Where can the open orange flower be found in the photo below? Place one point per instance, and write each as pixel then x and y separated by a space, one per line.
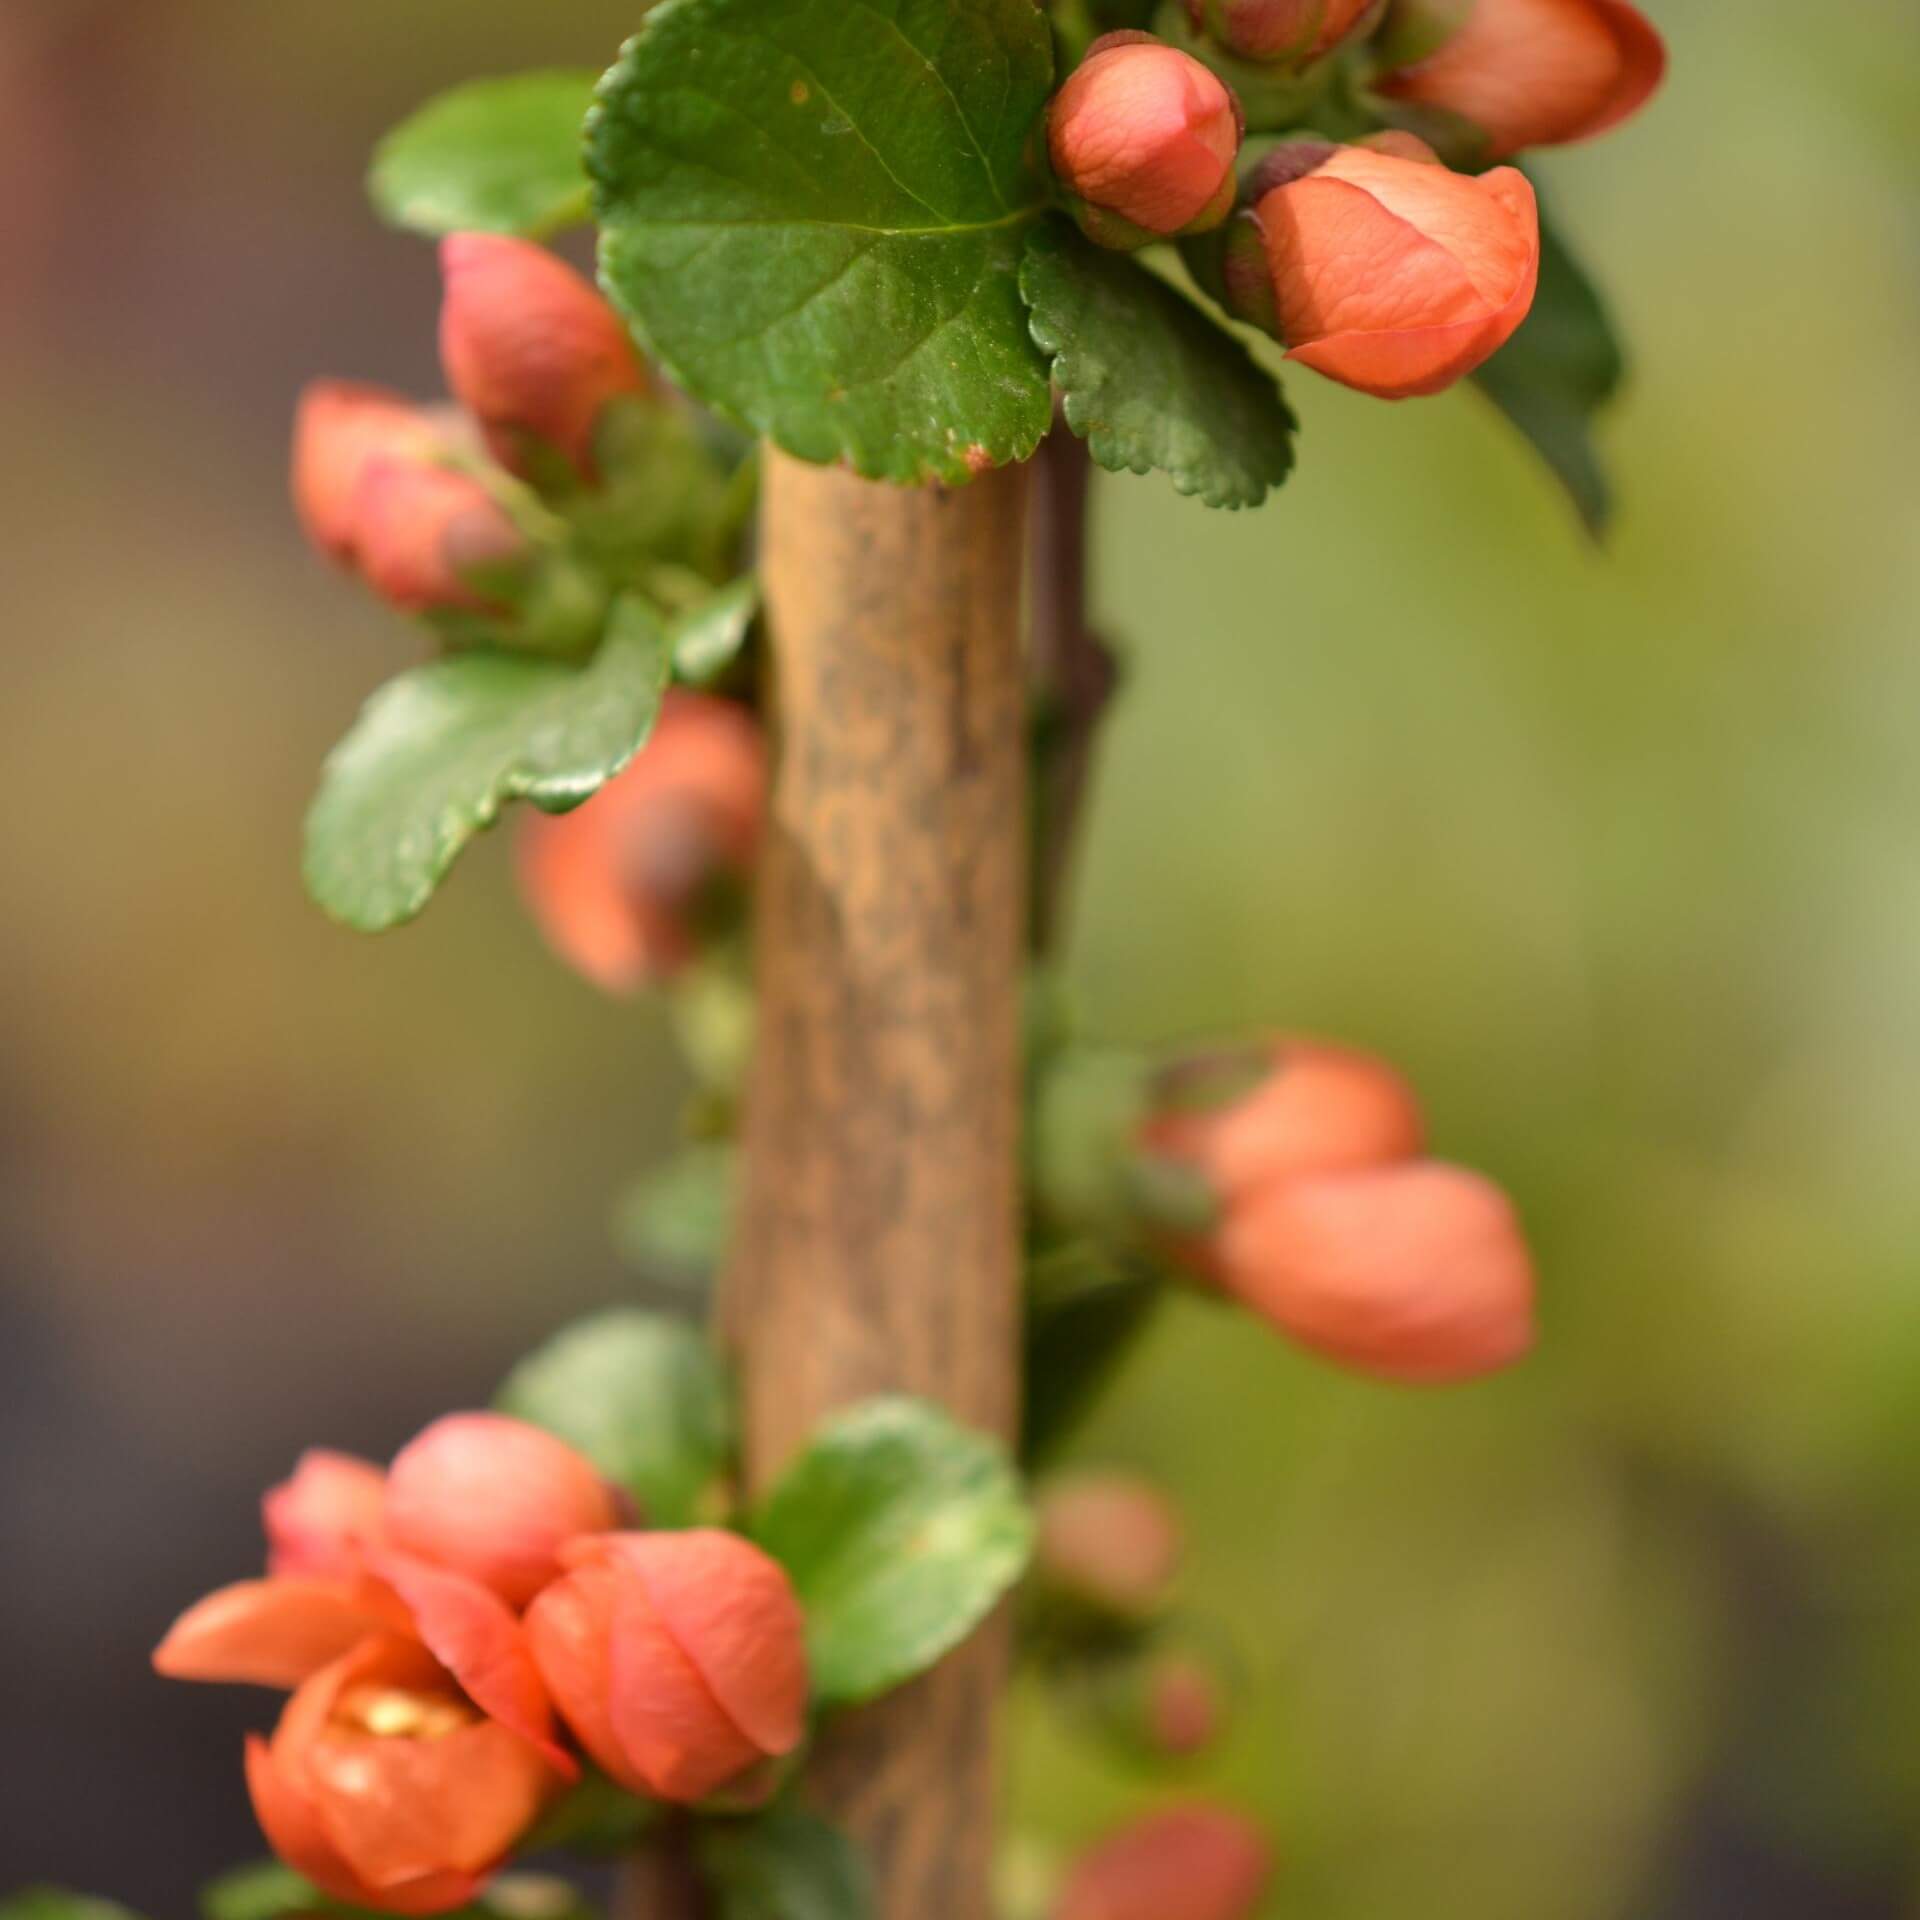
pixel 1537 73
pixel 420 1742
pixel 388 1787
pixel 1379 267
pixel 679 1659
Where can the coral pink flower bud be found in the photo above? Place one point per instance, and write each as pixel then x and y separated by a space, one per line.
pixel 1184 1709
pixel 1111 1541
pixel 1194 1862
pixel 679 1659
pixel 1281 29
pixel 1245 1121
pixel 388 1789
pixel 530 349
pixel 495 1499
pixel 427 537
pixel 1145 138
pixel 1535 73
pixel 1383 271
pixel 1416 1273
pixel 323 1521
pixel 339 430
pixel 617 886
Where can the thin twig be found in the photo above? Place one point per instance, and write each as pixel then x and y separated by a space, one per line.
pixel 1075 674
pixel 661 1881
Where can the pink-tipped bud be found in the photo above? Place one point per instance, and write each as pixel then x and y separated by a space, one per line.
pixel 1194 1862
pixel 530 349
pixel 429 538
pixel 339 430
pixel 495 1499
pixel 1144 138
pixel 1416 1273
pixel 1276 30
pixel 1247 1120
pixel 678 1659
pixel 617 886
pixel 1109 1541
pixel 324 1521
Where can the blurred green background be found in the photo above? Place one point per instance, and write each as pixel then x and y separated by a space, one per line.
pixel 1615 851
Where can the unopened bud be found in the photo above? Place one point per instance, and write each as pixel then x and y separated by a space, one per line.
pixel 1525 73
pixel 1416 1273
pixel 1383 270
pixel 339 430
pixel 1111 1542
pixel 532 351
pixel 1144 138
pixel 1246 1119
pixel 1275 30
pixel 495 1499
pixel 618 886
pixel 429 538
pixel 1196 1862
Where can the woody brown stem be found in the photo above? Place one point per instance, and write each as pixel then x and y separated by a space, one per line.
pixel 1075 674
pixel 878 1247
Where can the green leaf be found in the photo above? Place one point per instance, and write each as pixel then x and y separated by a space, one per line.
pixel 815 210
pixel 1148 381
pixel 269 1891
pixel 645 1398
pixel 783 1865
pixel 1557 373
pixel 901 1530
pixel 55 1903
pixel 673 1222
pixel 707 639
pixel 264 1891
pixel 437 753
pixel 495 156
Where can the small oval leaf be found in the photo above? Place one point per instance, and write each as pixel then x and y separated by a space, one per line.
pixel 495 156
pixel 437 754
pixel 901 1531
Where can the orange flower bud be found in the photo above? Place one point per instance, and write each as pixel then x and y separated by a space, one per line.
pixel 494 1499
pixel 339 430
pixel 1415 1273
pixel 1535 73
pixel 1246 1121
pixel 323 1521
pixel 1281 29
pixel 1381 270
pixel 1197 1862
pixel 679 1659
pixel 1111 1541
pixel 1145 138
pixel 616 885
pixel 424 533
pixel 530 348
pixel 388 1789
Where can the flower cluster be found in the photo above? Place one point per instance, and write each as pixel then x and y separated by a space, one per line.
pixel 1366 255
pixel 1322 1213
pixel 445 1626
pixel 430 505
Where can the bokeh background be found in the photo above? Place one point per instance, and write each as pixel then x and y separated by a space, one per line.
pixel 1615 850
